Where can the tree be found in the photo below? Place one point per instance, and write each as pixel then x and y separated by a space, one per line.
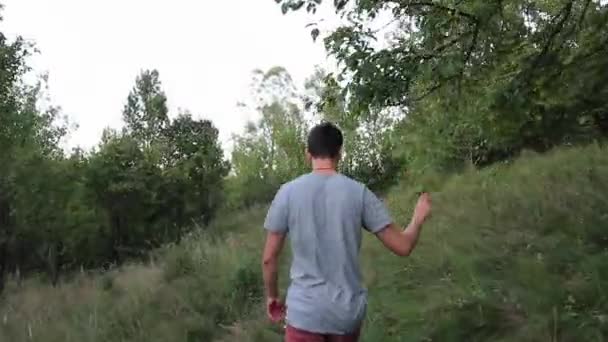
pixel 41 213
pixel 13 132
pixel 193 170
pixel 368 139
pixel 121 179
pixel 29 138
pixel 146 113
pixel 484 79
pixel 140 188
pixel 271 150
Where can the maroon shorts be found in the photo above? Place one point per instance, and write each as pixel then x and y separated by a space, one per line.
pixel 296 335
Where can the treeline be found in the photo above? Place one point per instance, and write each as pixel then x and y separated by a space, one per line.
pixel 141 187
pixel 159 177
pixel 156 179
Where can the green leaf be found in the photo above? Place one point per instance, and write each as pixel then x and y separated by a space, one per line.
pixel 339 4
pixel 297 5
pixel 285 7
pixel 314 33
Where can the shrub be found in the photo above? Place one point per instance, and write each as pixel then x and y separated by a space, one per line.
pixel 178 263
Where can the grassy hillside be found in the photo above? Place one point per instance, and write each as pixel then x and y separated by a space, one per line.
pixel 513 253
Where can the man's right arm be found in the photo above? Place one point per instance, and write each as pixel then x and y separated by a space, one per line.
pixel 403 242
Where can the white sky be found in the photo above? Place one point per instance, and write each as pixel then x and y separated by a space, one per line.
pixel 204 50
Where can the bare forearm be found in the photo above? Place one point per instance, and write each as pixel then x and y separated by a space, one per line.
pixel 270 269
pixel 401 242
pixel 410 235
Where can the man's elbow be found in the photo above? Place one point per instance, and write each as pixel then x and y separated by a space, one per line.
pixel 404 251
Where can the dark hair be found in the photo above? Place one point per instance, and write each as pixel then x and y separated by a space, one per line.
pixel 325 141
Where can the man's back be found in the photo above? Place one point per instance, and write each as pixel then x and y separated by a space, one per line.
pixel 324 214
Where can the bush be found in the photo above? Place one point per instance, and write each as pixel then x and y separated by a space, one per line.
pixel 245 287
pixel 178 263
pixel 106 282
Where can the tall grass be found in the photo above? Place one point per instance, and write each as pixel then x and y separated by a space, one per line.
pixel 513 253
pixel 517 252
pixel 196 292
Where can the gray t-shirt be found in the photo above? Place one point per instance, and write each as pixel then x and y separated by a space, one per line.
pixel 323 215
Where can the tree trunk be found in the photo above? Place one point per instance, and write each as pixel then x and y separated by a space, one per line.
pixel 601 121
pixel 115 238
pixel 4 241
pixel 3 264
pixel 20 261
pixel 52 260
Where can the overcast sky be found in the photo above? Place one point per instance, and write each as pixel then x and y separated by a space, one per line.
pixel 204 50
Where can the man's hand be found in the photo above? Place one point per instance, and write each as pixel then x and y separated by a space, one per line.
pixel 422 210
pixel 275 309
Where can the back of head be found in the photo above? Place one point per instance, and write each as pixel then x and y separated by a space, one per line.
pixel 325 141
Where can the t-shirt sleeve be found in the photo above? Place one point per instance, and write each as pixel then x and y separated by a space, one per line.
pixel 277 216
pixel 375 213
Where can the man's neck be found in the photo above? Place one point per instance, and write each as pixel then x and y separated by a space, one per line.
pixel 324 166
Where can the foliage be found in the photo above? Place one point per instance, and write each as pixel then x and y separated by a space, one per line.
pixel 146 113
pixel 479 80
pixel 486 269
pixel 369 140
pixel 28 141
pixel 119 177
pixel 140 188
pixel 271 151
pixel 193 169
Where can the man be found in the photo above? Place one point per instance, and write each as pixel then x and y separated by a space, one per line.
pixel 323 213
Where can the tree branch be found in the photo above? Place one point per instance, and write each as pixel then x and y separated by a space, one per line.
pixel 583 14
pixel 471 47
pixel 432 89
pixel 578 23
pixel 564 14
pixel 385 25
pixel 443 8
pixel 602 47
pixel 442 47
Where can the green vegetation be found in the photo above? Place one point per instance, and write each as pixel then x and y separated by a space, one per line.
pixel 513 253
pixel 479 80
pixel 499 108
pixel 140 188
pixel 192 293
